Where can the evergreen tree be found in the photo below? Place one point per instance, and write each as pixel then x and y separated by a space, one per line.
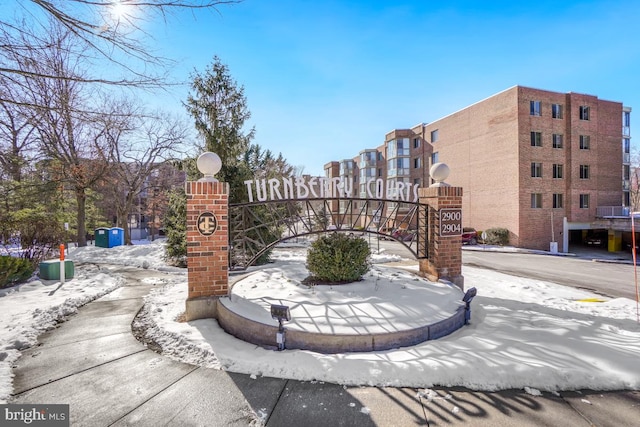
pixel 219 109
pixel 175 223
pixel 32 215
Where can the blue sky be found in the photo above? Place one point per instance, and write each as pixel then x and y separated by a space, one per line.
pixel 326 79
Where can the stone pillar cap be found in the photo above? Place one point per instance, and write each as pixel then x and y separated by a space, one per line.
pixel 209 164
pixel 439 172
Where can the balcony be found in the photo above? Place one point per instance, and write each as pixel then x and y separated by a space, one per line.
pixel 612 212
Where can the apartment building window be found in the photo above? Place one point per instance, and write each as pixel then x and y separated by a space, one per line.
pixel 404 165
pixel 626 145
pixel 584 112
pixel 367 159
pixel 584 201
pixel 557 201
pixel 626 123
pixel 585 142
pixel 379 172
pixel 584 171
pixel 398 147
pixel 535 108
pixel 434 135
pixel 363 191
pixel 536 139
pixel 556 111
pixel 346 167
pixel 536 170
pixel 417 164
pixel 557 171
pixel 398 166
pixel 416 142
pixel 536 200
pixel 626 172
pixel 379 156
pixel 557 140
pixel 434 158
pixel 416 181
pixel 367 173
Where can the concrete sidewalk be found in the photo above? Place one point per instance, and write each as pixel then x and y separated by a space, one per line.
pixel 93 363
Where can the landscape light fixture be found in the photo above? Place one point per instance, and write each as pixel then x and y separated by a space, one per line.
pixel 439 172
pixel 280 313
pixel 468 296
pixel 209 164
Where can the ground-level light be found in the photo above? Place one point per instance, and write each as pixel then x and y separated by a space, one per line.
pixel 280 313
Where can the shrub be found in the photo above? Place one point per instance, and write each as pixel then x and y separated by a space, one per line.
pixel 262 229
pixel 338 258
pixel 14 270
pixel 497 236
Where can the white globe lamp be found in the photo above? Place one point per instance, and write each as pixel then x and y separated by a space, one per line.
pixel 209 164
pixel 439 172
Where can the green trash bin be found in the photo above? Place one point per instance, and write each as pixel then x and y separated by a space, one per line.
pixel 50 270
pixel 102 237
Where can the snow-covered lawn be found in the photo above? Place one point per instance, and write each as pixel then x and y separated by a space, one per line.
pixel 523 334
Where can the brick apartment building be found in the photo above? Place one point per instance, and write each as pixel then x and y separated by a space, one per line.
pixel 547 166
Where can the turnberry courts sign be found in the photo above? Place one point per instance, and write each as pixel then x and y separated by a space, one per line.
pixel 303 187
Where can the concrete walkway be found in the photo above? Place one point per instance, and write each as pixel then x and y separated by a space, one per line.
pixel 93 363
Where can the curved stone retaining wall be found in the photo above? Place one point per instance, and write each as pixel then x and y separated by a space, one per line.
pixel 265 335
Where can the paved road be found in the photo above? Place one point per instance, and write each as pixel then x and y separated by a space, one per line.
pixel 93 363
pixel 606 278
pixel 581 271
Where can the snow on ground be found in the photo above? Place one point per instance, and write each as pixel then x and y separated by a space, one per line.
pixel 524 333
pixel 400 300
pixel 29 309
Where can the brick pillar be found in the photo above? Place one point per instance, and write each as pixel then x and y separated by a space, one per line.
pixel 445 252
pixel 207 247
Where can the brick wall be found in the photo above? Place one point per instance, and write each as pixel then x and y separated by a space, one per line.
pixel 488 148
pixel 479 144
pixel 208 255
pixel 445 252
pixel 604 157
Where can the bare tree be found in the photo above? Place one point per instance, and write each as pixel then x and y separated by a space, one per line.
pixel 137 157
pixel 70 137
pixel 109 30
pixel 158 189
pixel 16 135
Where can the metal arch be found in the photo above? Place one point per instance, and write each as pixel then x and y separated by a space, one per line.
pixel 256 227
